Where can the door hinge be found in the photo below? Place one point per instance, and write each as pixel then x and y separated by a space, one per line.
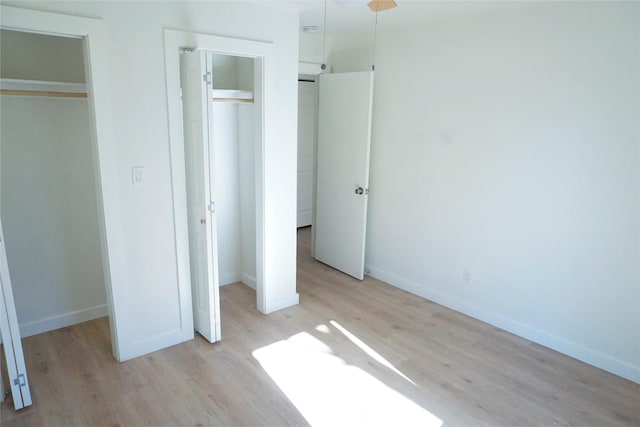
pixel 21 381
pixel 207 78
pixel 212 207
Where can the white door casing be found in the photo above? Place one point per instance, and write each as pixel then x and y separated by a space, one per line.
pixel 344 139
pixel 197 98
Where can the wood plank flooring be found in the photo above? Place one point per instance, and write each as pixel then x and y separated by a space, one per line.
pixel 352 353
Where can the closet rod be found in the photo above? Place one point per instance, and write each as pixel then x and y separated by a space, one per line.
pixel 43 93
pixel 237 100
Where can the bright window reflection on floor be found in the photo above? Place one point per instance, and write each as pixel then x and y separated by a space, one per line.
pixel 328 391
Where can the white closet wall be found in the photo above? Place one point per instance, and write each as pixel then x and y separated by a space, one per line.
pixel 247 181
pixel 48 206
pixel 234 173
pixel 226 183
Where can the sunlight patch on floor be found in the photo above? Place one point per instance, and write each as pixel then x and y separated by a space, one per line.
pixel 328 391
pixel 369 351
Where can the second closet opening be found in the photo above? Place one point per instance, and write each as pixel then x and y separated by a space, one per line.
pixel 234 179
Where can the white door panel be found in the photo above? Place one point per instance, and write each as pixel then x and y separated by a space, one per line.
pixel 197 105
pixel 11 341
pixel 344 139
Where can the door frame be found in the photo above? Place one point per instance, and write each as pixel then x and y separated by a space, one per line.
pixel 263 55
pixel 93 33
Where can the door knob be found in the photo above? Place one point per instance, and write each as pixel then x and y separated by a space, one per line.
pixel 359 190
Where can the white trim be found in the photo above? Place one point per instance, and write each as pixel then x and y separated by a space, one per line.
pixel 62 320
pixel 231 278
pixel 41 85
pixel 283 302
pixel 248 280
pixel 562 345
pixel 96 48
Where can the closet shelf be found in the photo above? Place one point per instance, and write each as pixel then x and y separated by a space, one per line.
pixel 233 95
pixel 42 88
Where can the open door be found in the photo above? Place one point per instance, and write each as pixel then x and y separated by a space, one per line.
pixel 197 96
pixel 344 140
pixel 11 336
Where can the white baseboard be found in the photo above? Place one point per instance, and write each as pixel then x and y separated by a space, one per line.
pixel 562 345
pixel 250 281
pixel 281 303
pixel 229 278
pixel 62 320
pixel 155 343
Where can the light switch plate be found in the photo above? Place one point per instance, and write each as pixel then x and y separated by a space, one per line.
pixel 137 175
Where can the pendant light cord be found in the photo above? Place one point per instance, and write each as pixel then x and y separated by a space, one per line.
pixel 324 37
pixel 375 39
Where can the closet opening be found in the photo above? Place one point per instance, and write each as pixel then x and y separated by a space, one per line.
pixel 221 119
pixel 50 196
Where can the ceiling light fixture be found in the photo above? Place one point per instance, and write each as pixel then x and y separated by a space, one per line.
pixel 380 5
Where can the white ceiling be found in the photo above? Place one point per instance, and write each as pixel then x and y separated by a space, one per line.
pixel 354 15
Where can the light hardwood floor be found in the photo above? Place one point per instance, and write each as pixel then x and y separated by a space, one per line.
pixel 352 353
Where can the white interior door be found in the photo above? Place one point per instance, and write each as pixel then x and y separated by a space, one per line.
pixel 12 343
pixel 197 107
pixel 344 139
pixel 307 115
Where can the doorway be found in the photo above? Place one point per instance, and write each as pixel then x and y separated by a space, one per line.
pixel 220 142
pixel 274 168
pixel 92 36
pixel 46 152
pixel 307 131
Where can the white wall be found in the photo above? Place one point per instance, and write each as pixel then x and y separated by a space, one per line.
pixel 247 191
pixel 508 146
pixel 226 186
pixel 49 212
pixel 312 47
pixel 140 130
